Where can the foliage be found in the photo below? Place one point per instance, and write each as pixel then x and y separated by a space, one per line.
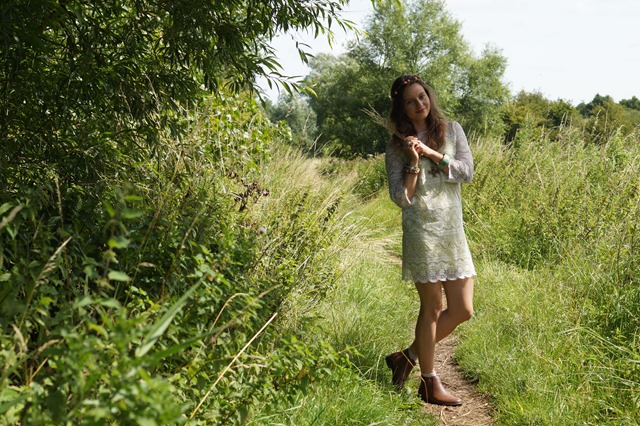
pixel 633 103
pixel 343 90
pixel 136 285
pixel 404 37
pixel 372 177
pixel 604 118
pixel 89 87
pixel 554 225
pixel 599 120
pixel 533 109
pixel 165 299
pixel 482 93
pixel 294 109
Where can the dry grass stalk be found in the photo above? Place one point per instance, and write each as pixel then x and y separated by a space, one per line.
pixel 383 121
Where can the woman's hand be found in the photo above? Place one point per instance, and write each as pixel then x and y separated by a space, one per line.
pixel 412 148
pixel 424 151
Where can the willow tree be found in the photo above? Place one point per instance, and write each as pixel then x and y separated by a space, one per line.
pixel 87 85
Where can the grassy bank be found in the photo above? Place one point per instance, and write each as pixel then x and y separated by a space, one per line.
pixel 180 290
pixel 367 315
pixel 355 315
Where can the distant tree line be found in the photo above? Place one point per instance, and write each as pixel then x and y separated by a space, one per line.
pixel 421 37
pixel 598 119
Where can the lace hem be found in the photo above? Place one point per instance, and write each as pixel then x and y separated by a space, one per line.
pixel 441 275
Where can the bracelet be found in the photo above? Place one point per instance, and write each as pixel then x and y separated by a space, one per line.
pixel 411 169
pixel 444 162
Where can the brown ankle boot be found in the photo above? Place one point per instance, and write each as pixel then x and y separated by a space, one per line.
pixel 431 391
pixel 400 365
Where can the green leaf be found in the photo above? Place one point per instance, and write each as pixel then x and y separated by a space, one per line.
pixel 110 303
pixel 119 242
pixel 160 326
pixel 5 277
pixel 118 276
pixel 156 357
pixel 97 328
pixel 86 300
pixel 7 405
pixel 5 207
pixel 128 213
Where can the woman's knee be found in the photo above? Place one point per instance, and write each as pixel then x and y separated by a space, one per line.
pixel 464 313
pixel 431 309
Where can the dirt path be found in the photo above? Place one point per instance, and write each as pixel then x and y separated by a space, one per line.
pixel 476 410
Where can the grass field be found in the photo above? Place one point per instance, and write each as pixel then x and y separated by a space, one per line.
pixel 553 227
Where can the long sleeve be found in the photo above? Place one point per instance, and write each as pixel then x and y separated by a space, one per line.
pixel 394 164
pixel 460 167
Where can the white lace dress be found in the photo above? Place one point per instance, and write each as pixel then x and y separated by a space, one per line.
pixel 434 246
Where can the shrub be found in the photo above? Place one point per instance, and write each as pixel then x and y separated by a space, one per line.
pixel 157 295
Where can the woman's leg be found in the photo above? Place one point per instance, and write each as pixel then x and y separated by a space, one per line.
pixel 424 344
pixel 434 324
pixel 459 295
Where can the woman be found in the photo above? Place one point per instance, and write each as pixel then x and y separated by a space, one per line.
pixel 426 160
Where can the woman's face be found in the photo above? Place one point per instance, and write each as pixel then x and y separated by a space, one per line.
pixel 416 103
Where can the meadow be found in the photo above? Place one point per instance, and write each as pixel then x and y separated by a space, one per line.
pixel 553 225
pixel 226 278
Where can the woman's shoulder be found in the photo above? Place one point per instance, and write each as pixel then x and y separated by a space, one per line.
pixel 454 129
pixel 453 126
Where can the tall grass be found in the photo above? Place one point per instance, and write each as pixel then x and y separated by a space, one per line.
pixel 554 228
pixel 367 314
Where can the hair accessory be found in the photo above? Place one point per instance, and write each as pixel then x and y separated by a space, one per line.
pixel 405 81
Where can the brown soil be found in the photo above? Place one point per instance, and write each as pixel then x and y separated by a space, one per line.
pixel 476 408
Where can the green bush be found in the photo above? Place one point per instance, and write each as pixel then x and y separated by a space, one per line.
pixel 372 177
pixel 161 294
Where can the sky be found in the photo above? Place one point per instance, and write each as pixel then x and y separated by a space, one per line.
pixel 565 49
